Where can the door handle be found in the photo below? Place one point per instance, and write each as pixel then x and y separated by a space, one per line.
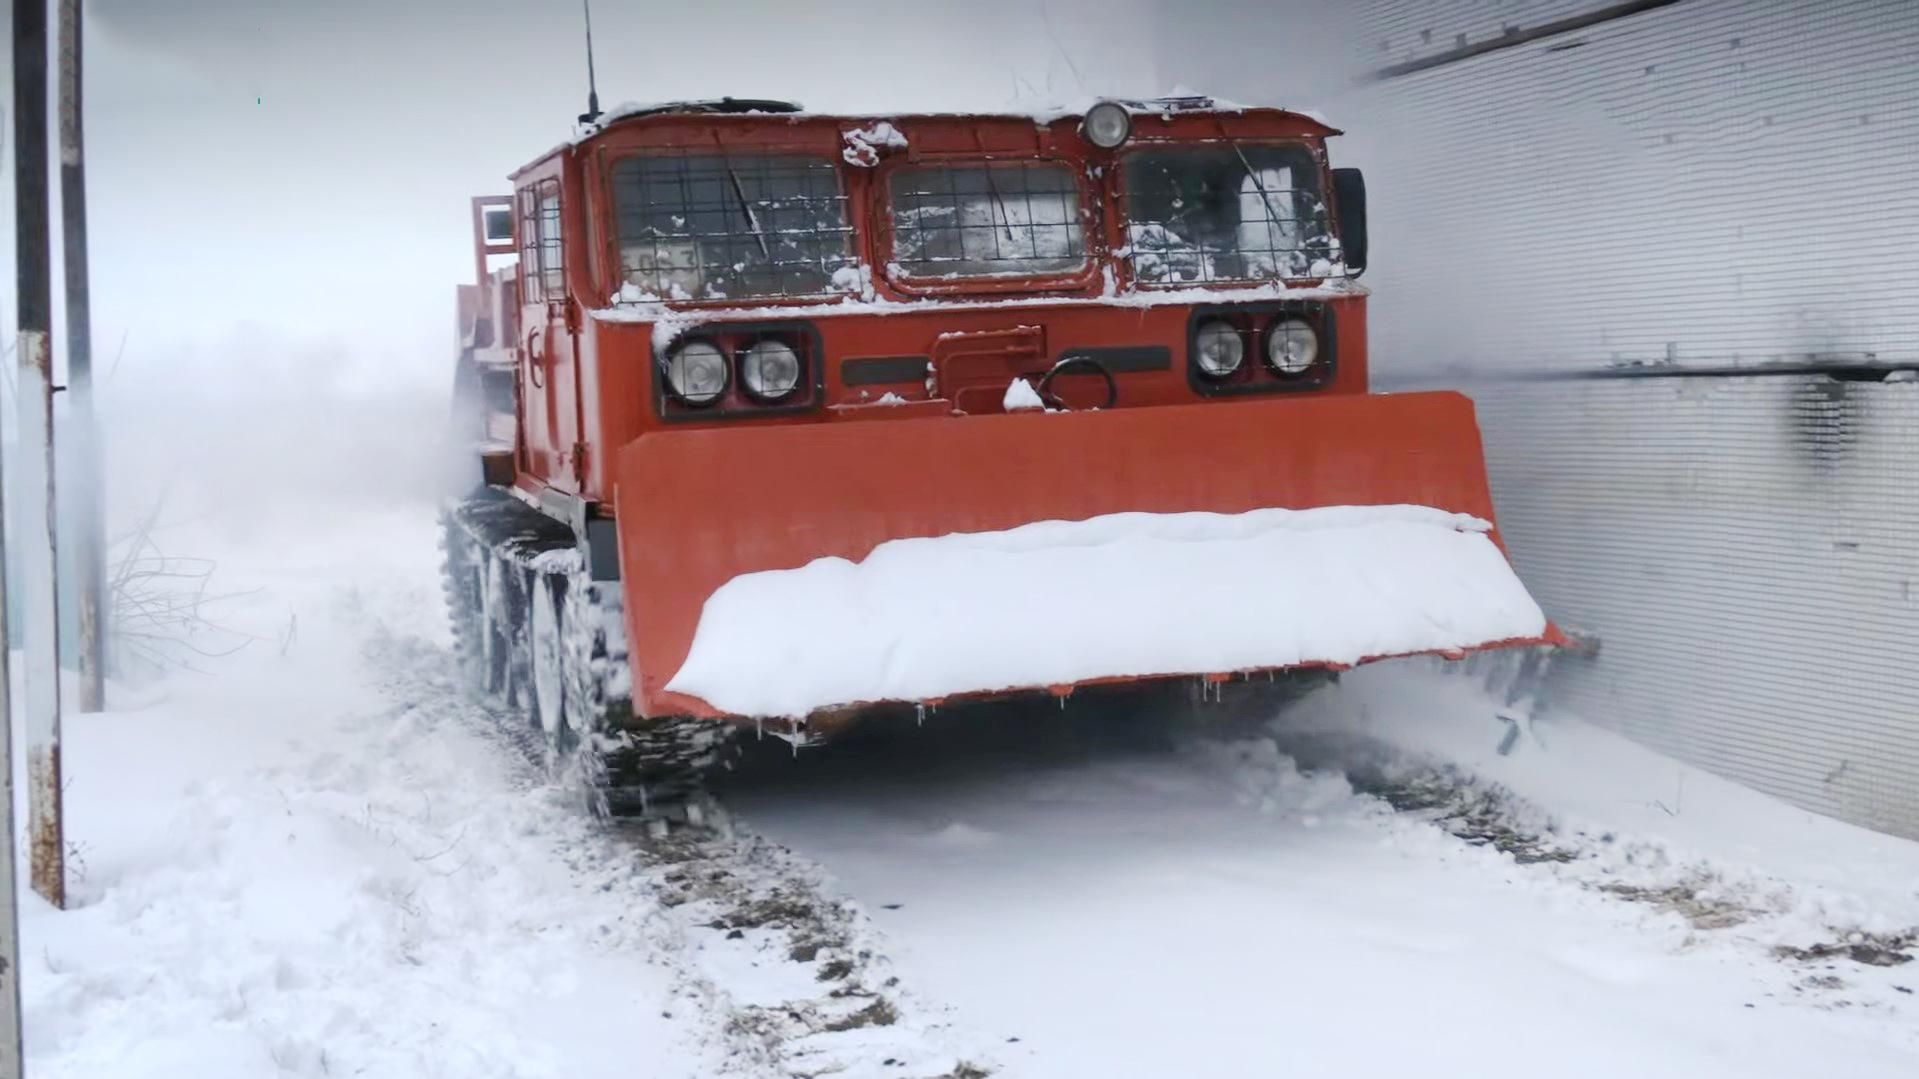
pixel 534 363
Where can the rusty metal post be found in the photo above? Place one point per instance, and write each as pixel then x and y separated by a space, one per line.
pixel 89 547
pixel 11 1065
pixel 39 609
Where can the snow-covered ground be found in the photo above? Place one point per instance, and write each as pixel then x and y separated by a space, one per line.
pixel 1204 907
pixel 310 861
pixel 313 858
pixel 310 856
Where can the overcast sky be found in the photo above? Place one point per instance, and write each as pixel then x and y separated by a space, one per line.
pixel 283 181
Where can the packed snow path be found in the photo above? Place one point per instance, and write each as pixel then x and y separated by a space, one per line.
pixel 307 860
pixel 1111 903
pixel 312 859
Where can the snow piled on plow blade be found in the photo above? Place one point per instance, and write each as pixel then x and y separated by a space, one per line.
pixel 1115 596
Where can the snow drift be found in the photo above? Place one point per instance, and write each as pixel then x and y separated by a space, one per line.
pixel 1121 595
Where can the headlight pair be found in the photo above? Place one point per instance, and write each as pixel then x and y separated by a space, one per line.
pixel 1292 347
pixel 698 372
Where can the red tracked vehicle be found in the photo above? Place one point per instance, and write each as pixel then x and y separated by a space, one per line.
pixel 733 337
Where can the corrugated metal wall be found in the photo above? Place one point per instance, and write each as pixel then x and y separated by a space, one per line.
pixel 1710 183
pixel 1747 549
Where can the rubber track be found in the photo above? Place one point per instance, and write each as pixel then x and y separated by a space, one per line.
pixel 626 766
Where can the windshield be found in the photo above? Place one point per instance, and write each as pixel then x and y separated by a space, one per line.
pixel 698 227
pixel 1226 213
pixel 1013 219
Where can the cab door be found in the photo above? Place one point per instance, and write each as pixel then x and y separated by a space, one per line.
pixel 548 378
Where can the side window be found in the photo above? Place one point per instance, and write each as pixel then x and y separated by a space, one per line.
pixel 532 281
pixel 542 266
pixel 551 254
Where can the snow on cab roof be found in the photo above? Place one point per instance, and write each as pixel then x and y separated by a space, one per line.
pixel 1181 101
pixel 1044 114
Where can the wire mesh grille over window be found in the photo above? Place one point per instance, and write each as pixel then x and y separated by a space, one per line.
pixel 1227 214
pixel 529 275
pixel 552 264
pixel 1011 219
pixel 697 227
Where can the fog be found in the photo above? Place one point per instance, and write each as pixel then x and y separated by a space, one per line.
pixel 278 191
pixel 279 176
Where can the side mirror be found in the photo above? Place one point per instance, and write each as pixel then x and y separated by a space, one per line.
pixel 492 231
pixel 1349 205
pixel 498 227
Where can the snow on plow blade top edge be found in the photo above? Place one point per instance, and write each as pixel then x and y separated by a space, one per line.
pixel 1123 596
pixel 917 568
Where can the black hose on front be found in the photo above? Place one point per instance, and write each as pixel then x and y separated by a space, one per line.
pixel 1052 400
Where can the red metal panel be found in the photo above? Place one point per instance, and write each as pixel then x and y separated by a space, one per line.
pixel 697 507
pixel 622 376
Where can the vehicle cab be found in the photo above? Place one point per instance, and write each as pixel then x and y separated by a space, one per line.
pixel 718 263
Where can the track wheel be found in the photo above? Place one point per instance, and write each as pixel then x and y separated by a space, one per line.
pixel 548 657
pixel 496 628
pixel 510 609
pixel 464 586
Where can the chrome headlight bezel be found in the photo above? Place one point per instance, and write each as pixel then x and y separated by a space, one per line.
pixel 1230 341
pixel 675 369
pixel 753 360
pixel 1292 346
pixel 1107 125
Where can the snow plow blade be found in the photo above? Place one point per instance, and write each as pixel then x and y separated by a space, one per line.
pixel 1190 540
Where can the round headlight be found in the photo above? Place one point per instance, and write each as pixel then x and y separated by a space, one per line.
pixel 1219 349
pixel 696 372
pixel 770 369
pixel 1292 346
pixel 1107 124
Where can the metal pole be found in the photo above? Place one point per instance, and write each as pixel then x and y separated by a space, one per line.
pixel 89 545
pixel 39 610
pixel 11 1066
pixel 33 295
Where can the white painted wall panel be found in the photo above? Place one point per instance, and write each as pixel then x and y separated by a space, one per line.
pixel 1716 182
pixel 1748 551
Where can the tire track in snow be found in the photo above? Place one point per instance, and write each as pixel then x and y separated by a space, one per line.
pixel 305 865
pixel 1752 913
pixel 787 979
pixel 1032 868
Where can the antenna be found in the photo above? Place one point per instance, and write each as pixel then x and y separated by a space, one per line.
pixel 592 112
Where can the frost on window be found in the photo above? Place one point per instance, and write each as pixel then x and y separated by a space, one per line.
pixel 974 220
pixel 1227 214
pixel 708 227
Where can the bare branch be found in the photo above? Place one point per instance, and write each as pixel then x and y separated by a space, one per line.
pixel 161 605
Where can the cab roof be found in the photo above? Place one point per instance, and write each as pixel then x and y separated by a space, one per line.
pixel 621 116
pixel 733 106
